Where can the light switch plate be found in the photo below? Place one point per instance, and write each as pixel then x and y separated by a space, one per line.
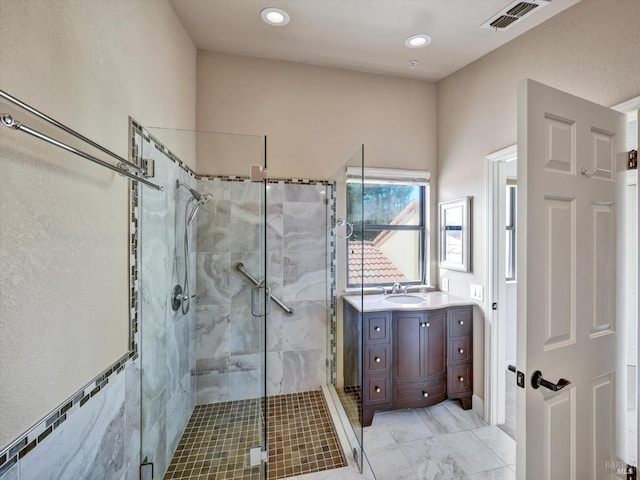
pixel 445 285
pixel 476 292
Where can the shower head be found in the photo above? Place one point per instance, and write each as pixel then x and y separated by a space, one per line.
pixel 201 201
pixel 204 198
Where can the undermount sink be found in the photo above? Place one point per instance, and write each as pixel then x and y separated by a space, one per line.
pixel 405 299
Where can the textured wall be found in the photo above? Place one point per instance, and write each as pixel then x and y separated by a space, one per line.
pixel 228 336
pixel 63 221
pixel 315 118
pixel 589 50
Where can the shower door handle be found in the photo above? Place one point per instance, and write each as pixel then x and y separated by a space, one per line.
pixel 260 296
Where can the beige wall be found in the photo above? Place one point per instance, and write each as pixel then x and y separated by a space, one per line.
pixel 316 117
pixel 590 50
pixel 63 221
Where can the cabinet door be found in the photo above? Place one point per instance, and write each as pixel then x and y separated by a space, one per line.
pixel 409 346
pixel 460 321
pixel 376 327
pixel 436 334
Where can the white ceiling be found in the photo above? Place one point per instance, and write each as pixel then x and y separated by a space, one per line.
pixel 364 35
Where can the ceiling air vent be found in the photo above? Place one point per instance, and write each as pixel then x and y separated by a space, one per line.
pixel 513 13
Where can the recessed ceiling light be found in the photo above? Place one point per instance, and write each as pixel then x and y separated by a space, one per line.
pixel 275 16
pixel 418 41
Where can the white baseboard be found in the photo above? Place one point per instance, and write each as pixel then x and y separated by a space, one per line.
pixel 477 405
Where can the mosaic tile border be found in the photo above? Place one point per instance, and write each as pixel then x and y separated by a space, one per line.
pixel 333 307
pixel 242 178
pixel 43 428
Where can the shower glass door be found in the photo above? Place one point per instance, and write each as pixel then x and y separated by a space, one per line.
pixel 203 364
pixel 346 264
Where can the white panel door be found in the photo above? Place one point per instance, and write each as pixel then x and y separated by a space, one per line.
pixel 569 153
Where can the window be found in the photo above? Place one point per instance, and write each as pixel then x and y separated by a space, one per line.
pixel 388 241
pixel 511 233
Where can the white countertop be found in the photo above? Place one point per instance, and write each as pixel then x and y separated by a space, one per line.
pixel 381 303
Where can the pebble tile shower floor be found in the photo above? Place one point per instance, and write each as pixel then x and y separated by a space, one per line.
pixel 217 439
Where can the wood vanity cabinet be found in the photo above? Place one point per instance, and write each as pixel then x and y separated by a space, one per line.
pixel 414 359
pixel 419 358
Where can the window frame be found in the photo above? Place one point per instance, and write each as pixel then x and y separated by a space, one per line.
pixel 397 177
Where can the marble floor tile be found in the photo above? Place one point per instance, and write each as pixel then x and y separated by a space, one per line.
pixel 431 460
pixel 390 463
pixel 403 425
pixel 469 452
pixel 499 442
pixel 449 417
pixel 504 473
pixel 377 436
pixel 467 419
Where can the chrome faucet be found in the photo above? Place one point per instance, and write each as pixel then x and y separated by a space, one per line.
pixel 398 288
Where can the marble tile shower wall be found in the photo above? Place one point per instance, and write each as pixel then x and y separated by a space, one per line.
pixel 100 440
pixel 227 335
pixel 167 343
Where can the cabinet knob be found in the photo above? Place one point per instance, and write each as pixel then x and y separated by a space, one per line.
pixel 425 394
pixel 378 360
pixel 461 350
pixel 377 389
pixel 461 322
pixel 377 329
pixel 425 324
pixel 461 379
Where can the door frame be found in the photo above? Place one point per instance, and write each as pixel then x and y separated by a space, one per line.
pixel 495 320
pixel 494 406
pixel 631 108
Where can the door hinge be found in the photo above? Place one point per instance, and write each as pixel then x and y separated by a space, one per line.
pixel 258 173
pixel 257 456
pixel 633 160
pixel 494 306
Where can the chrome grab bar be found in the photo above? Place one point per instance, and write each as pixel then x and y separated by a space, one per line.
pixel 257 283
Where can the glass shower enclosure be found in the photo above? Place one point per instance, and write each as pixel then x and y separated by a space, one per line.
pixel 345 338
pixel 204 303
pixel 219 345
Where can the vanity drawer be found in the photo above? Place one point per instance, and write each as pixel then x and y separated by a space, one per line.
pixel 377 327
pixel 460 379
pixel 417 395
pixel 376 390
pixel 377 358
pixel 460 321
pixel 460 350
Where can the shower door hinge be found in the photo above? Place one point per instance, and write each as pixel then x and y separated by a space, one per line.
pixel 258 173
pixel 146 470
pixel 257 456
pixel 148 169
